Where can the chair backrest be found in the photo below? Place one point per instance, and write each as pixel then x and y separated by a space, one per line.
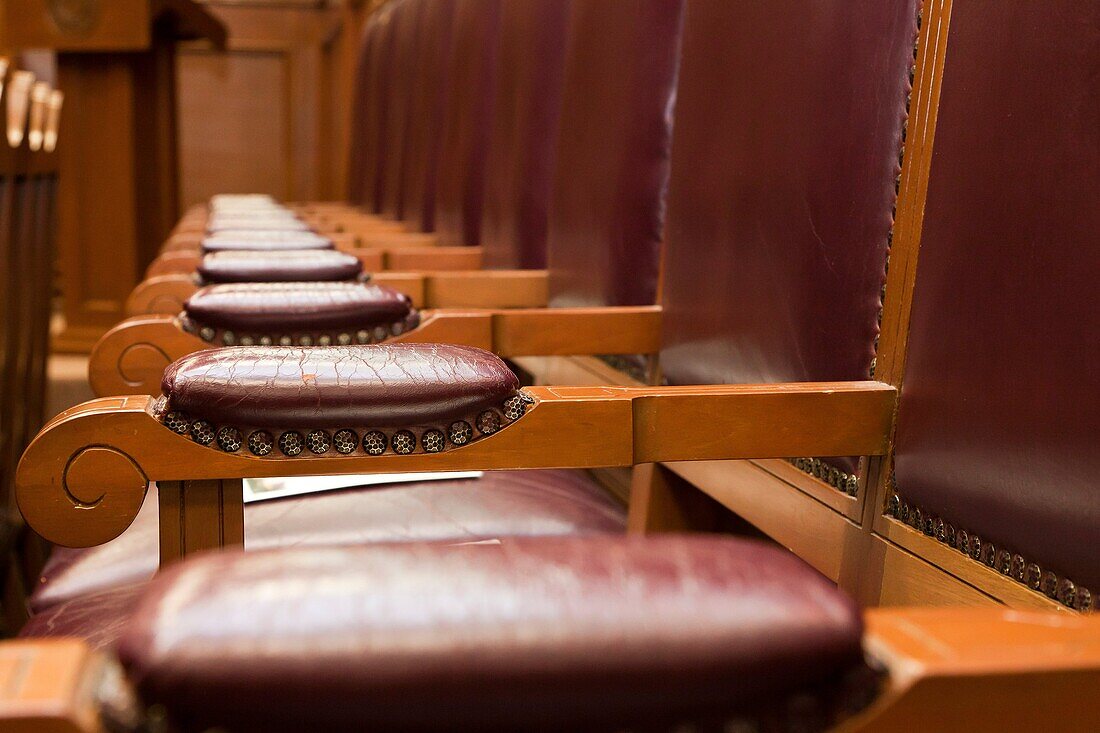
pixel 519 164
pixel 788 130
pixel 366 97
pixel 1000 404
pixel 431 84
pixel 472 68
pixel 611 171
pixel 400 68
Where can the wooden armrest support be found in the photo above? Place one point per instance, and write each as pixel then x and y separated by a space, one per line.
pixel 161 295
pixel 61 686
pixel 981 669
pixel 84 477
pixel 132 356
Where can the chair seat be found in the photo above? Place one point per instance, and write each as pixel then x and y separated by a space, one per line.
pixel 398 385
pixel 532 633
pixel 275 310
pixel 499 504
pixel 265 240
pixel 236 223
pixel 296 265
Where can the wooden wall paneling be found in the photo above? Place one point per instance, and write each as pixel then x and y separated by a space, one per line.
pixel 274 103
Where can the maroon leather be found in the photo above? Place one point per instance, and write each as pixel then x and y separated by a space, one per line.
pixel 431 86
pixel 607 211
pixel 1000 407
pixel 370 138
pixel 519 165
pixel 381 385
pixel 237 223
pixel 499 504
pixel 265 240
pixel 97 617
pixel 788 129
pixel 548 633
pixel 403 49
pixel 294 307
pixel 257 266
pixel 471 81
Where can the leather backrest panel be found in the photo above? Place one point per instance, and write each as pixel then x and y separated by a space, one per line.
pixel 788 130
pixel 402 50
pixel 607 209
pixel 431 84
pixel 472 71
pixel 520 161
pixel 1000 412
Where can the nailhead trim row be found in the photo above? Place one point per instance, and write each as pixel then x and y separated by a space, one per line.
pixel 262 442
pixel 371 335
pixel 839 480
pixel 1004 561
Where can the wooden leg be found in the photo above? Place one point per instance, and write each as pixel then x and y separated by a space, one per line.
pixel 200 515
pixel 662 502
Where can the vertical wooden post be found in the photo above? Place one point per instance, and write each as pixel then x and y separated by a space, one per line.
pixel 200 515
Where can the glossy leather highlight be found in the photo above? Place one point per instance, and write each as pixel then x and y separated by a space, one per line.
pixel 337 386
pixel 1000 407
pixel 261 240
pixel 547 633
pixel 251 266
pixel 498 504
pixel 260 307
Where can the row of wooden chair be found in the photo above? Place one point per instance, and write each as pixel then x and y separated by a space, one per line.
pixel 28 185
pixel 763 186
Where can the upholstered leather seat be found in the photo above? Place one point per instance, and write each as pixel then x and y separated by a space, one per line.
pixel 547 633
pixel 265 240
pixel 260 266
pixel 338 387
pixel 297 313
pixel 255 223
pixel 499 504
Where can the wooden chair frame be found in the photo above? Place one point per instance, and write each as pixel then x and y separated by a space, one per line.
pixel 84 477
pixel 130 358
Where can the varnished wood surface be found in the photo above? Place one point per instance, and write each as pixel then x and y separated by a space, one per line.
pixel 51 686
pixel 82 480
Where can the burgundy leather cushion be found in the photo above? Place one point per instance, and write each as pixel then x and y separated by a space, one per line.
pixel 265 240
pixel 234 223
pixel 293 307
pixel 607 215
pixel 369 131
pixel 787 134
pixel 398 384
pixel 543 633
pixel 251 266
pixel 97 617
pixel 471 82
pixel 499 504
pixel 527 103
pixel 431 86
pixel 1000 408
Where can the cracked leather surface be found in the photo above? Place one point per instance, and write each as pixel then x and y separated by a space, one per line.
pixel 545 632
pixel 252 266
pixel 498 504
pixel 274 307
pixel 337 386
pixel 264 240
pixel 97 617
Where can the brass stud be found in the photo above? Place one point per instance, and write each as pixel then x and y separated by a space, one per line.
pixel 261 443
pixel 324 340
pixel 916 518
pixel 949 534
pixel 488 422
pixel 432 440
pixel 851 485
pixel 397 328
pixel 206 333
pixel 318 442
pixel 988 555
pixel 229 338
pixel 202 432
pixel 247 341
pixel 1004 562
pixel 285 341
pixel 1067 593
pixel 1034 576
pixel 1084 600
pixel 343 339
pixel 362 337
pixel 514 407
pixel 291 443
pixel 374 443
pixel 460 432
pixel 1049 584
pixel 1019 568
pixel 962 541
pixel 229 439
pixel 893 505
pixel 380 333
pixel 403 442
pixel 939 529
pixel 975 547
pixel 265 341
pixel 305 341
pixel 177 422
pixel 345 441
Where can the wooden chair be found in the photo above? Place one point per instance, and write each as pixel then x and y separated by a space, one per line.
pixel 597 210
